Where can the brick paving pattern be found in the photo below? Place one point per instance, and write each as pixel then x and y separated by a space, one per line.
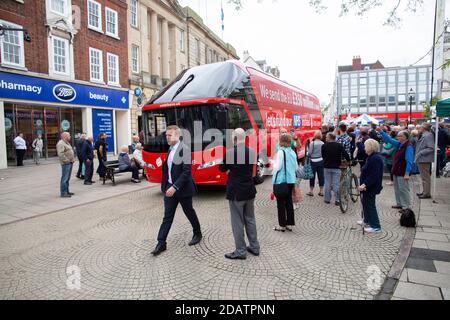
pixel 325 257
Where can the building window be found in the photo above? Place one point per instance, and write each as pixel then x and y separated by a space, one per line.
pixel 182 40
pixel 94 15
pixel 158 31
pixel 392 101
pixel 135 58
pixel 111 23
pixel 60 55
pixel 58 6
pixel 134 12
pixel 12 46
pixel 113 69
pixel 382 101
pixel 96 65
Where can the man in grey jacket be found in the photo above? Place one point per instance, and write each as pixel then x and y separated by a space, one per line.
pixel 424 157
pixel 66 158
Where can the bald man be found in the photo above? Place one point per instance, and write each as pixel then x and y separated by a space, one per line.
pixel 240 163
pixel 66 158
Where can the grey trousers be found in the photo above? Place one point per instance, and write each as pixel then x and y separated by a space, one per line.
pixel 424 169
pixel 243 216
pixel 402 193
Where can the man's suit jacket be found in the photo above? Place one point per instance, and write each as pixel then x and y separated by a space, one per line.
pixel 240 186
pixel 181 173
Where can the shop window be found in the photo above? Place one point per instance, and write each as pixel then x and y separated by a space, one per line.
pixel 12 48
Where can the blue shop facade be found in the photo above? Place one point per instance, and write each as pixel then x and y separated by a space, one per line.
pixel 42 106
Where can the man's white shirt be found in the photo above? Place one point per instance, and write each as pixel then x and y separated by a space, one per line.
pixel 170 160
pixel 20 143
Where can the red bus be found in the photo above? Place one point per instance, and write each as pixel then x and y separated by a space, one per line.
pixel 222 96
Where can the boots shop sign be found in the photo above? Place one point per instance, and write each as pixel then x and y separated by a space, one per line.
pixel 20 87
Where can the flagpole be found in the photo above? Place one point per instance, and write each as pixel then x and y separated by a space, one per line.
pixel 222 16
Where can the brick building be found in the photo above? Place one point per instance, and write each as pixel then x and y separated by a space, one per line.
pixel 72 75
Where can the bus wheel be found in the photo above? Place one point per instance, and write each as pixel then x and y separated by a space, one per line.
pixel 260 167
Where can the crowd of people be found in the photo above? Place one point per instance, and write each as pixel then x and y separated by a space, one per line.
pixel 85 150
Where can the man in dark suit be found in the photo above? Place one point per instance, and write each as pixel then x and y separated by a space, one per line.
pixel 178 187
pixel 240 162
pixel 87 156
pixel 78 147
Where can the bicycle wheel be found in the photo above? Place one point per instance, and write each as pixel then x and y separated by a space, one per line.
pixel 354 184
pixel 343 196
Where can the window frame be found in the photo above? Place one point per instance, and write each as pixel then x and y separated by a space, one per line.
pixel 101 80
pixel 67 56
pixel 137 59
pixel 117 73
pixel 21 63
pixel 116 34
pixel 135 13
pixel 100 21
pixel 182 40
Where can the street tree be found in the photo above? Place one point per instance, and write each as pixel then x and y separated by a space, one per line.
pixel 361 7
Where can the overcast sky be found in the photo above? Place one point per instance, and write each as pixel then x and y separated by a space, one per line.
pixel 306 46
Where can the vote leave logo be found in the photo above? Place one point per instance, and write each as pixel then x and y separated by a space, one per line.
pixel 64 92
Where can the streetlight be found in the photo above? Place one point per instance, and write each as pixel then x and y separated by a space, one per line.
pixel 26 35
pixel 411 98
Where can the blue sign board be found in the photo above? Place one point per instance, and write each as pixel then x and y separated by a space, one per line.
pixel 102 121
pixel 20 87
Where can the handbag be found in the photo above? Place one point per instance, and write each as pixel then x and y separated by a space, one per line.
pixel 307 169
pixel 281 190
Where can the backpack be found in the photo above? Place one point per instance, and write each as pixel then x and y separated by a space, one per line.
pixel 408 218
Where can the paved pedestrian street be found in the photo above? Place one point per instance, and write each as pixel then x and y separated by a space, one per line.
pixel 107 244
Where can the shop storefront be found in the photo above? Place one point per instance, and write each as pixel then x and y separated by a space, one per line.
pixel 40 106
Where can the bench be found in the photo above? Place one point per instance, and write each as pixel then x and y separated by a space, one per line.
pixel 112 170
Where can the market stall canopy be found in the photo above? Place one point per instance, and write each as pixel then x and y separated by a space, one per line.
pixel 365 119
pixel 443 108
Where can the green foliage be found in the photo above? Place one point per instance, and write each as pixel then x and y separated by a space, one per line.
pixel 427 107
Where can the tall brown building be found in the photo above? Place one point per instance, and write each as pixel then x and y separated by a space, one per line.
pixel 72 75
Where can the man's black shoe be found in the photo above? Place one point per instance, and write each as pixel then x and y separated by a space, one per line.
pixel 195 239
pixel 337 203
pixel 87 183
pixel 253 252
pixel 66 195
pixel 159 248
pixel 80 177
pixel 397 207
pixel 71 193
pixel 234 256
pixel 424 197
pixel 419 194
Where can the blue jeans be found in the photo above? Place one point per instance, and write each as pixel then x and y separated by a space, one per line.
pixel 370 210
pixel 65 177
pixel 317 167
pixel 332 178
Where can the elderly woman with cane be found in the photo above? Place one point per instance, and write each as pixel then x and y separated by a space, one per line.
pixel 371 185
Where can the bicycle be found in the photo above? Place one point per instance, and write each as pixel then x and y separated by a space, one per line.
pixel 348 187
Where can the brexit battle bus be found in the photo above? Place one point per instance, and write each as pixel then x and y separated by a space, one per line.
pixel 222 96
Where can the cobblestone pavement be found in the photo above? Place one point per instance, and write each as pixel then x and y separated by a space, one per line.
pixel 325 257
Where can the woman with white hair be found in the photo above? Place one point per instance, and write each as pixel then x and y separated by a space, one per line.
pixel 126 166
pixel 371 185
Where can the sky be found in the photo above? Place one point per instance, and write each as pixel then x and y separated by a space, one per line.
pixel 306 46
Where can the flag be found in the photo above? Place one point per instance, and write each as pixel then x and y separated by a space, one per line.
pixel 222 15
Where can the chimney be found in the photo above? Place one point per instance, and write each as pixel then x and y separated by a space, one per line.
pixel 356 63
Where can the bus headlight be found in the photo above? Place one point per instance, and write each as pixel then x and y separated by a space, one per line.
pixel 207 165
pixel 150 166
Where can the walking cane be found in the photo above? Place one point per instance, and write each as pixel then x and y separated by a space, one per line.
pixel 362 212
